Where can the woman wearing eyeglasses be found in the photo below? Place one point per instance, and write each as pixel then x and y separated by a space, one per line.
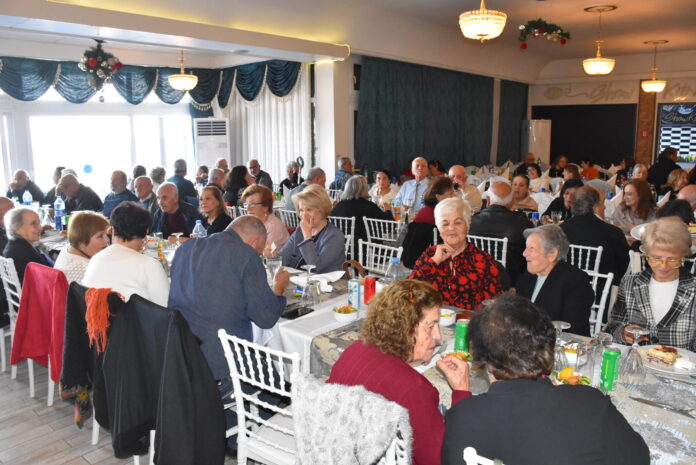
pixel 660 298
pixel 212 207
pixel 258 201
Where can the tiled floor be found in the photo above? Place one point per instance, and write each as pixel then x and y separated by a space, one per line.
pixel 31 433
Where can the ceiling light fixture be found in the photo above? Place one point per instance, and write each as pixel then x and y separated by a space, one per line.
pixel 599 65
pixel 482 24
pixel 654 84
pixel 183 81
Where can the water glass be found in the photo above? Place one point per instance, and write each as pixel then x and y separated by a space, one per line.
pixel 560 361
pixel 632 371
pixel 273 264
pixel 310 294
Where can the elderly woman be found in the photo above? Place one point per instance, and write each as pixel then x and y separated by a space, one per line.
pixel 87 235
pixel 636 207
pixel 121 266
pixel 560 289
pixel 402 328
pixel 514 340
pixel 521 200
pixel 661 298
pixel 237 180
pixel 355 203
pixel 258 200
pixel 536 182
pixel 557 167
pixel 562 203
pixel 293 178
pixel 213 209
pixel 316 241
pixel 440 188
pixel 23 231
pixel 382 193
pixel 464 275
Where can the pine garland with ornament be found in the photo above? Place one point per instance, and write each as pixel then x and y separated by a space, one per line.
pixel 100 64
pixel 540 28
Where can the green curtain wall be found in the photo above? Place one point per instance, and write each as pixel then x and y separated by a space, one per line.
pixel 407 110
pixel 513 110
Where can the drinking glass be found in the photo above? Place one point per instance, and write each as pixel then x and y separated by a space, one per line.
pixel 308 269
pixel 583 357
pixel 272 266
pixel 178 238
pixel 632 370
pixel 556 217
pixel 560 361
pixel 310 294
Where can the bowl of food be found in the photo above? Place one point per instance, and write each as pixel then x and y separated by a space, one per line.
pixel 570 377
pixel 447 317
pixel 151 242
pixel 345 314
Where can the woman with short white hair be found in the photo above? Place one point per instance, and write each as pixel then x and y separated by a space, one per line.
pixel 23 231
pixel 661 298
pixel 462 273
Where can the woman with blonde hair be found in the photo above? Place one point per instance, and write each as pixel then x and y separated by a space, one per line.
pixel 315 241
pixel 675 181
pixel 87 235
pixel 401 329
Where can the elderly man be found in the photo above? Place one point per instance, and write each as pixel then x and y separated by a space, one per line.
pixel 119 192
pixel 587 227
pixel 22 183
pixel 315 176
pixel 23 230
pixel 173 215
pixel 220 282
pixel 463 190
pixel 144 190
pixel 688 193
pixel 216 178
pixel 260 177
pixel 529 159
pixel 183 185
pixel 521 200
pixel 221 163
pixel 559 288
pixel 78 196
pixel 410 196
pixel 497 220
pixel 344 173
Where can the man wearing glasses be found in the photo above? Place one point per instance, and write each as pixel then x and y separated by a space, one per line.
pixel 259 175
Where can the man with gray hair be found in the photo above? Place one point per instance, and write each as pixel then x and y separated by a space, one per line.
pixel 559 288
pixel 23 183
pixel 220 282
pixel 465 191
pixel 173 214
pixel 119 192
pixel 497 220
pixel 144 190
pixel 216 178
pixel 260 176
pixel 316 175
pixel 587 227
pixel 78 196
pixel 344 173
pixel 183 185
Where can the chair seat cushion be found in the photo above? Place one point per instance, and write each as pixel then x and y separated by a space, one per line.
pixel 260 451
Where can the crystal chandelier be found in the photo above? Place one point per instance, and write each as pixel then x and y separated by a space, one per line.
pixel 482 24
pixel 599 65
pixel 654 85
pixel 183 81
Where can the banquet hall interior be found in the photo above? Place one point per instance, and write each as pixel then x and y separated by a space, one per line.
pixel 377 81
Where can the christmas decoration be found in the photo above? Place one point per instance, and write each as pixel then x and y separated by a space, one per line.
pixel 100 64
pixel 540 28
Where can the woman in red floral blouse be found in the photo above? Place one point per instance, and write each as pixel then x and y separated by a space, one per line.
pixel 463 274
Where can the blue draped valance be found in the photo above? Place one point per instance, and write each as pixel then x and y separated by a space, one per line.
pixel 28 79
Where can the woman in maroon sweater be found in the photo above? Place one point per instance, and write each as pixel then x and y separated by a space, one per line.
pixel 402 328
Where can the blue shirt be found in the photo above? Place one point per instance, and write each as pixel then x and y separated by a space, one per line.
pixel 220 282
pixel 112 200
pixel 411 195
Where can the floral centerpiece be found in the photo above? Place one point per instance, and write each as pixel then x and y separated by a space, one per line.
pixel 100 64
pixel 540 28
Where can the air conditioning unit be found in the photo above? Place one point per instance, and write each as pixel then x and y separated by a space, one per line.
pixel 212 140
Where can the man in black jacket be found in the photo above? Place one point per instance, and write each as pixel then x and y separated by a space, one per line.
pixel 587 227
pixel 79 196
pixel 22 183
pixel 498 221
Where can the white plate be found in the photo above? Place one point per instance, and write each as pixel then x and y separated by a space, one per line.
pixel 637 232
pixel 663 367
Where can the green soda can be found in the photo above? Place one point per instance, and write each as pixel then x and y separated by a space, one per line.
pixel 461 336
pixel 610 369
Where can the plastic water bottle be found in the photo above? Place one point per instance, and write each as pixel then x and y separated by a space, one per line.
pixel 59 213
pixel 393 272
pixel 27 198
pixel 199 230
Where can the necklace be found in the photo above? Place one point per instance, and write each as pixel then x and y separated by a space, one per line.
pixel 84 254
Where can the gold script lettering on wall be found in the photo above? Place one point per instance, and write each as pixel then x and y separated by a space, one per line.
pixel 601 93
pixel 679 92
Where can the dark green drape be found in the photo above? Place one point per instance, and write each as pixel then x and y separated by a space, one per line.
pixel 225 87
pixel 406 110
pixel 281 76
pixel 513 110
pixel 26 80
pixel 73 83
pixel 134 83
pixel 164 91
pixel 250 79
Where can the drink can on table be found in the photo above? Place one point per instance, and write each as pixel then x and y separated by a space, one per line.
pixel 461 336
pixel 370 286
pixel 354 293
pixel 397 211
pixel 610 369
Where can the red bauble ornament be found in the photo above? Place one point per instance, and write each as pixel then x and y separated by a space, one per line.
pixel 562 41
pixel 542 30
pixel 92 62
pixel 523 45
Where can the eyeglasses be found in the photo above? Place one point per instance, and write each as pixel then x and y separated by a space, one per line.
pixel 252 204
pixel 671 262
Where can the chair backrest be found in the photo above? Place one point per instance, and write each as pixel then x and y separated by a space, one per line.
pixel 381 231
pixel 334 194
pixel 495 246
pixel 349 244
pixel 241 211
pixel 602 283
pixel 254 365
pixel 289 218
pixel 12 287
pixel 347 227
pixel 472 458
pixel 232 212
pixel 585 257
pixel 375 258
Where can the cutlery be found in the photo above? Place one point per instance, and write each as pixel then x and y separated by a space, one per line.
pixel 669 380
pixel 685 412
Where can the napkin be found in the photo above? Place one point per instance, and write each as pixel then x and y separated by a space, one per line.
pixel 324 280
pixel 612 182
pixel 663 200
pixel 506 173
pixel 482 187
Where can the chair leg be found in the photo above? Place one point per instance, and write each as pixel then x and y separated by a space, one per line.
pixel 30 368
pixel 51 390
pixel 13 371
pixel 136 460
pixel 151 451
pixel 95 429
pixel 3 360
